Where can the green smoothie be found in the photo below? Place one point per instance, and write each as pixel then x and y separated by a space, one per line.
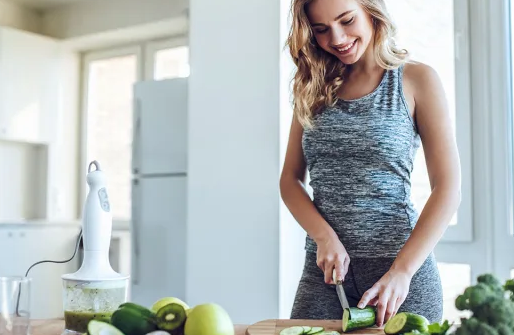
pixel 78 320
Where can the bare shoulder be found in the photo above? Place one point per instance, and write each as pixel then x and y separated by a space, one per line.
pixel 422 80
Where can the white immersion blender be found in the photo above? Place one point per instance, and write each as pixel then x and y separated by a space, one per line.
pixel 95 291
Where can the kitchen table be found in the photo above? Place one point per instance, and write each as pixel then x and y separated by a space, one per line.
pixel 56 326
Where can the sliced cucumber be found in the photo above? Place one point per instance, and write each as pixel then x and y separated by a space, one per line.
pixel 406 322
pixel 295 330
pixel 358 318
pixel 306 329
pixel 315 330
pixel 95 327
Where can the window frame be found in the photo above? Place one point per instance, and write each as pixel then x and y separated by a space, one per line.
pixel 145 64
pixel 86 60
pixel 492 147
pixel 500 114
pixel 463 230
pixel 153 47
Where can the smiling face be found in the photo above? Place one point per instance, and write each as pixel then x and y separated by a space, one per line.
pixel 341 27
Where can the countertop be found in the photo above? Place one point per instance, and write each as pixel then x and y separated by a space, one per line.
pixel 56 326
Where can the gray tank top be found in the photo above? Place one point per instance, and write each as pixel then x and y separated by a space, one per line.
pixel 360 157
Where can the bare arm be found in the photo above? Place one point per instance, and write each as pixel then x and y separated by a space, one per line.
pixel 331 252
pixel 443 165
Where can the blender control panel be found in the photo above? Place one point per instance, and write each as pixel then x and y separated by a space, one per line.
pixel 104 199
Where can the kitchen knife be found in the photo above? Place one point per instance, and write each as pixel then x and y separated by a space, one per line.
pixel 340 291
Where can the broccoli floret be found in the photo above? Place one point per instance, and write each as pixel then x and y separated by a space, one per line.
pixel 473 326
pixel 505 330
pixel 492 311
pixel 475 296
pixel 496 312
pixel 461 303
pixel 509 287
pixel 489 279
pixel 493 282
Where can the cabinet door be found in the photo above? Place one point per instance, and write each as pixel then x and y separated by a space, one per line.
pixel 7 245
pixel 28 87
pixel 31 244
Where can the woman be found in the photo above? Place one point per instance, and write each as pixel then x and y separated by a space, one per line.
pixel 361 110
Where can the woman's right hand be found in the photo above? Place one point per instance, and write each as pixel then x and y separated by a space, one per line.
pixel 332 255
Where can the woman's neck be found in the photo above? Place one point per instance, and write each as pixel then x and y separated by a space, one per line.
pixel 367 63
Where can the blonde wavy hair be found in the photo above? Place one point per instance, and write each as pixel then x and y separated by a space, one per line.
pixel 319 75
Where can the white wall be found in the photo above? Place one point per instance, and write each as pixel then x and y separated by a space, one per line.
pixel 98 16
pixel 234 157
pixel 16 16
pixel 292 235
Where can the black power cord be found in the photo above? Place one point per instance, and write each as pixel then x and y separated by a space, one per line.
pixel 47 261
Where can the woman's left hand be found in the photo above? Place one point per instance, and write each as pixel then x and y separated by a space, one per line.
pixel 388 294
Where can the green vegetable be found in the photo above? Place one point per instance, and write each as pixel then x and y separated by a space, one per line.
pixel 509 287
pixel 439 329
pixel 95 327
pixel 406 322
pixel 475 327
pixel 142 309
pixel 133 319
pixel 433 329
pixel 306 330
pixel 171 316
pixel 357 318
pixel 296 330
pixel 491 305
pixel 416 332
pixel 315 330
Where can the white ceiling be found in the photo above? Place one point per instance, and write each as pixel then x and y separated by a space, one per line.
pixel 43 4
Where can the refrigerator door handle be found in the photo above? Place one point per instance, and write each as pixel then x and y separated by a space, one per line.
pixel 135 232
pixel 136 161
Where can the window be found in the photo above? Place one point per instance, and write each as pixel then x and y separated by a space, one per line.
pixel 171 62
pixel 432 32
pixel 167 59
pixel 428 30
pixel 109 77
pixel 455 278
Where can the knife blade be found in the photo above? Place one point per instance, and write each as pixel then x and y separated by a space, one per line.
pixel 340 291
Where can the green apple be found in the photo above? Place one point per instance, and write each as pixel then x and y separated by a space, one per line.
pixel 208 319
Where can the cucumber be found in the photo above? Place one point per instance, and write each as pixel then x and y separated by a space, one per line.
pixel 145 312
pixel 296 330
pixel 133 321
pixel 315 330
pixel 358 318
pixel 405 322
pixel 306 329
pixel 95 327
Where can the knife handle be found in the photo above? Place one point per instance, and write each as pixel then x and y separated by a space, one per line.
pixel 338 282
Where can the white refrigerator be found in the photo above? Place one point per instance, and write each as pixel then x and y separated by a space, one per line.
pixel 159 184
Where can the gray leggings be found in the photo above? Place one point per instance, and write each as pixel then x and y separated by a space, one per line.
pixel 317 300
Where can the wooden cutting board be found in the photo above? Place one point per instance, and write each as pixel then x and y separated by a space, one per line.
pixel 273 327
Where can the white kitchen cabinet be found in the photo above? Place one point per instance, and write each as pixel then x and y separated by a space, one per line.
pixel 29 85
pixel 22 245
